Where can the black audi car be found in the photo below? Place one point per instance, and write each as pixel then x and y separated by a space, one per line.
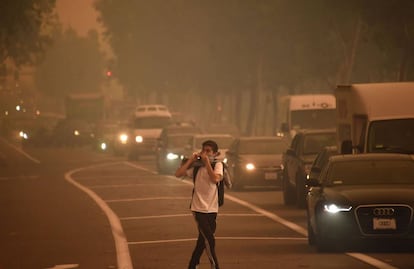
pixel 362 197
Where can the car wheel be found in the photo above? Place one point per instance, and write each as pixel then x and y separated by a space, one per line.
pixel 288 192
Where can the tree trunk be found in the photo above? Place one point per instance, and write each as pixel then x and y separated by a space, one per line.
pixel 253 99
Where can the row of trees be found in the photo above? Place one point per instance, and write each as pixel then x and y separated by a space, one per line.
pixel 185 47
pixel 63 62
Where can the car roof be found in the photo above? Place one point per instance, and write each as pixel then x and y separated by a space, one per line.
pixel 211 135
pixel 316 131
pixel 254 138
pixel 371 157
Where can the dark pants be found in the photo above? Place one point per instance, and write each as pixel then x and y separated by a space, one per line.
pixel 206 223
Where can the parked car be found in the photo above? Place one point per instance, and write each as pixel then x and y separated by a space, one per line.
pixel 256 161
pixel 170 152
pixel 297 161
pixel 368 197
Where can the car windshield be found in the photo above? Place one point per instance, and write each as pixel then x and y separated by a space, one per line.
pixel 178 141
pixel 222 142
pixel 262 147
pixel 399 140
pixel 314 143
pixel 151 122
pixel 313 119
pixel 367 172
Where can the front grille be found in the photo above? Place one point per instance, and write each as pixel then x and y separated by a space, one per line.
pixel 370 217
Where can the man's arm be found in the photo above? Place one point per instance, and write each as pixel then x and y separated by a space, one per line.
pixel 215 178
pixel 182 170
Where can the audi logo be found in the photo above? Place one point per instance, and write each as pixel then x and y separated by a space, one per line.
pixel 383 211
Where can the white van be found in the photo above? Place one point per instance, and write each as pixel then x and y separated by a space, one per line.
pixel 145 129
pixel 307 111
pixel 376 117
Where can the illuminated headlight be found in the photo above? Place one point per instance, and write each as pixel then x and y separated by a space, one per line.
pixel 76 132
pixel 250 166
pixel 23 135
pixel 103 146
pixel 139 139
pixel 123 138
pixel 225 160
pixel 333 208
pixel 172 156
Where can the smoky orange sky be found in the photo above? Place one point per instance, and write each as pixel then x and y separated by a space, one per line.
pixel 78 14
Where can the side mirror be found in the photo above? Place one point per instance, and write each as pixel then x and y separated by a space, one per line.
pixel 312 182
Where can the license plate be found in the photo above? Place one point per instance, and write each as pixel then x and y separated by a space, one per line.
pixel 384 224
pixel 271 176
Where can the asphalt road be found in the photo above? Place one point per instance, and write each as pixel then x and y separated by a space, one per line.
pixel 75 208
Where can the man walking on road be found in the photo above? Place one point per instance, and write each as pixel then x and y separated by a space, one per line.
pixel 204 203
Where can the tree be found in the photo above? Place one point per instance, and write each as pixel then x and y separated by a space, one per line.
pixel 72 64
pixel 23 29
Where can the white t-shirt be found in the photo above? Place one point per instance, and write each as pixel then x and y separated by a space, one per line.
pixel 205 196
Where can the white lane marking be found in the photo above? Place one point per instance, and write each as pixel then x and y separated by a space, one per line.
pixel 121 245
pixel 217 238
pixel 20 151
pixel 155 217
pixel 129 185
pixel 187 215
pixel 64 266
pixel 146 199
pixel 293 226
pixel 141 168
pixel 371 261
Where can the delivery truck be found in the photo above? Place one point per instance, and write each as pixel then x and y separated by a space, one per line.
pixel 375 117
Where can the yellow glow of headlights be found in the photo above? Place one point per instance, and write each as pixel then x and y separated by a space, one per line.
pixel 333 209
pixel 139 139
pixel 103 146
pixel 172 156
pixel 23 135
pixel 123 138
pixel 250 166
pixel 76 132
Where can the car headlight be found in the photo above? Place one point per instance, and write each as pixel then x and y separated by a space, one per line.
pixel 23 135
pixel 250 166
pixel 172 156
pixel 225 160
pixel 76 132
pixel 123 138
pixel 139 139
pixel 103 146
pixel 334 208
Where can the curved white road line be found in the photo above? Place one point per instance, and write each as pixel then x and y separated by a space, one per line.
pixel 121 244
